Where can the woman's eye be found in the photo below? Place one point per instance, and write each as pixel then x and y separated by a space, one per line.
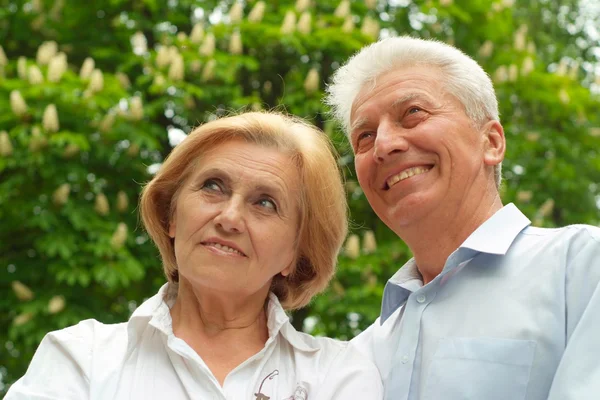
pixel 267 203
pixel 212 184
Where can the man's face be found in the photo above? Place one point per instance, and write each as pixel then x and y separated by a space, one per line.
pixel 417 153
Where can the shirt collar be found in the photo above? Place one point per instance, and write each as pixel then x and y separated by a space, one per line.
pixel 279 322
pixel 156 312
pixel 494 236
pixel 407 280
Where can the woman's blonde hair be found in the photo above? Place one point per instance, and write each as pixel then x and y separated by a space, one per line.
pixel 323 209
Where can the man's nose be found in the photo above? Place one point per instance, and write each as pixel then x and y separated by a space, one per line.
pixel 389 142
pixel 231 217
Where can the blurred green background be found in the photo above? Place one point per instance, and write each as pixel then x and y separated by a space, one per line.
pixel 93 95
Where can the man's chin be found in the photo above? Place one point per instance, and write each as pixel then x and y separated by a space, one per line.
pixel 405 213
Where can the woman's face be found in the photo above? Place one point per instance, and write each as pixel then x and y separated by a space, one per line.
pixel 236 219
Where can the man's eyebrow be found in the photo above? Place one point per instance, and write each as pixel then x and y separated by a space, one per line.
pixel 399 102
pixel 361 122
pixel 406 98
pixel 358 124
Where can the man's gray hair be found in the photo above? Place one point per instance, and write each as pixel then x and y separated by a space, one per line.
pixel 463 77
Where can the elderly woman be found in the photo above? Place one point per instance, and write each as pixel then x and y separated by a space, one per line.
pixel 249 214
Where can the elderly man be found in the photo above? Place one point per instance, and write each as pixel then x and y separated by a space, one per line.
pixel 489 307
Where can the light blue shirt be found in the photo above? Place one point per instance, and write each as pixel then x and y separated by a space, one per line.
pixel 514 315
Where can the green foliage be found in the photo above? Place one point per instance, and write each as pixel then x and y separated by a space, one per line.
pixel 82 259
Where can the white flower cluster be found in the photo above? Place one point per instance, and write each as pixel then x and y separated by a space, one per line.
pixel 352 247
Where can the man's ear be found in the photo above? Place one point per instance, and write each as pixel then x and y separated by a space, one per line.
pixel 494 143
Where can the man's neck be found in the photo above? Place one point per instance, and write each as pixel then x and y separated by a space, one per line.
pixel 432 241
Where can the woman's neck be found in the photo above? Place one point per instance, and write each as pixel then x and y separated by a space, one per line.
pixel 223 330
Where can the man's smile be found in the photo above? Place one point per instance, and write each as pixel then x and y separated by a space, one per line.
pixel 405 174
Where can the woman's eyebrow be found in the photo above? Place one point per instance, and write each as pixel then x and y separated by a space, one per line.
pixel 212 173
pixel 266 188
pixel 273 190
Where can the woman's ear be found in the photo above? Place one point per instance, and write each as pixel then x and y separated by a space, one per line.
pixel 172 228
pixel 290 268
pixel 495 143
pixel 287 270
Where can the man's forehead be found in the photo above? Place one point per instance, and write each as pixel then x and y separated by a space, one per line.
pixel 426 74
pixel 402 97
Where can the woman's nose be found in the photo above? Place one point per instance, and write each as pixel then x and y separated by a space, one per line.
pixel 231 217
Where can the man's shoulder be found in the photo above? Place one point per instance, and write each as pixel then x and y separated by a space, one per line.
pixel 567 245
pixel 593 232
pixel 567 235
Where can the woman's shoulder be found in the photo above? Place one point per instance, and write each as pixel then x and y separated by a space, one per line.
pixel 326 351
pixel 92 336
pixel 87 330
pixel 339 352
pixel 319 351
pixel 68 352
pixel 306 342
pixel 79 343
pixel 89 333
pixel 342 370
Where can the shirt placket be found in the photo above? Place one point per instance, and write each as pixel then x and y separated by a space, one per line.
pixel 406 372
pixel 401 386
pixel 241 381
pixel 193 372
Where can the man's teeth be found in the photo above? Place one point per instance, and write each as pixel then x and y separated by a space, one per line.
pixel 407 173
pixel 224 248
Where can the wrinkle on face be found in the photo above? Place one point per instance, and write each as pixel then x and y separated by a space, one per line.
pixel 437 132
pixel 244 176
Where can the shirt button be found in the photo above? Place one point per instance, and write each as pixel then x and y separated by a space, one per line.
pixel 421 298
pixel 404 359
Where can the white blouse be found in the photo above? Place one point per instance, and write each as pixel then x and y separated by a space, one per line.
pixel 143 359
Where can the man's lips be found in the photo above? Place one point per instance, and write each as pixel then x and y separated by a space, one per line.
pixel 406 173
pixel 223 245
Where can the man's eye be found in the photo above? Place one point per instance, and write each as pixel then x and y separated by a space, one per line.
pixel 413 110
pixel 363 140
pixel 364 135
